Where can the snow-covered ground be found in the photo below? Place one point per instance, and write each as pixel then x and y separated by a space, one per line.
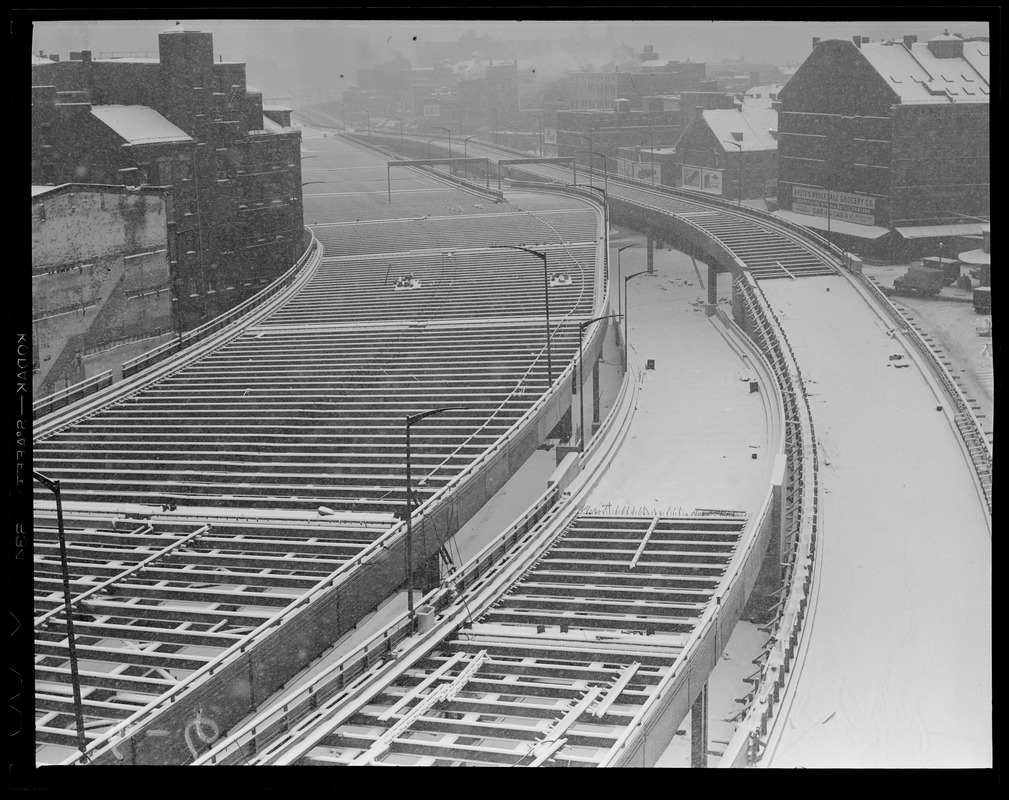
pixel 697 426
pixel 897 664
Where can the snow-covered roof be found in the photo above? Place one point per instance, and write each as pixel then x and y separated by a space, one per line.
pixel 836 225
pixel 755 125
pixel 270 125
pixel 918 77
pixel 139 124
pixel 764 90
pixel 39 60
pixel 928 231
pixel 179 28
pixel 130 60
pixel 975 257
pixel 41 189
pixel 276 108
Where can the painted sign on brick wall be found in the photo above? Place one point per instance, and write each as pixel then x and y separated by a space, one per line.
pixel 847 206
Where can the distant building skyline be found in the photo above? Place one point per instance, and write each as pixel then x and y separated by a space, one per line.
pixel 310 54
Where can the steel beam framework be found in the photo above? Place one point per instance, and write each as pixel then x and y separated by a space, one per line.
pixel 558 669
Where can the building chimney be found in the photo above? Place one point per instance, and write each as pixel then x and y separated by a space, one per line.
pixel 857 40
pixel 86 56
pixel 54 56
pixel 909 40
pixel 42 53
pixel 865 40
pixel 946 46
pixel 816 41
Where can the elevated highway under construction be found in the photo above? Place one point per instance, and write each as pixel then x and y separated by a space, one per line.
pixel 231 510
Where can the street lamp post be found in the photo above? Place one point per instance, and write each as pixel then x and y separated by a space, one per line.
pixel 606 181
pixel 626 326
pixel 619 251
pixel 651 154
pixel 538 117
pixel 367 113
pixel 464 152
pixel 589 140
pixel 739 197
pixel 75 681
pixel 430 153
pixel 546 300
pixel 439 128
pixel 411 420
pixel 579 379
pixel 494 138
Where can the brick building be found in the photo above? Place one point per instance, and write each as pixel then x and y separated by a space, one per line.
pixel 192 124
pixel 101 279
pixel 729 152
pixel 608 131
pixel 633 77
pixel 653 165
pixel 897 131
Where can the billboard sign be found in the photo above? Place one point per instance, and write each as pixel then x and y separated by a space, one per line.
pixel 845 206
pixel 647 172
pixel 431 110
pixel 701 179
pixel 550 136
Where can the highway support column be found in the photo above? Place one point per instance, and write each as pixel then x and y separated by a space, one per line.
pixel 595 397
pixel 709 309
pixel 651 254
pixel 767 586
pixel 699 730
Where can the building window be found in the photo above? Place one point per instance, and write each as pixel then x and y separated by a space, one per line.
pixel 185 170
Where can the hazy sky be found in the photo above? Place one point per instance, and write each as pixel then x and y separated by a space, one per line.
pixel 310 53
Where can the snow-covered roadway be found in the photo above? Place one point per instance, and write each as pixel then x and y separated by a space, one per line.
pixel 895 666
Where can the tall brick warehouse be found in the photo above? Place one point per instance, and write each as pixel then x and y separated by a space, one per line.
pixel 235 217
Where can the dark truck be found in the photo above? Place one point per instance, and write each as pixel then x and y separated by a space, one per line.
pixel 949 267
pixel 920 280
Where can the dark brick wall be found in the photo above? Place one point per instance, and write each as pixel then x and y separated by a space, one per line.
pixel 700 147
pixel 236 218
pixel 841 125
pixel 940 163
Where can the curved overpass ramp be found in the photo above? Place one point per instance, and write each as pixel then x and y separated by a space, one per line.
pixel 896 669
pixel 892 666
